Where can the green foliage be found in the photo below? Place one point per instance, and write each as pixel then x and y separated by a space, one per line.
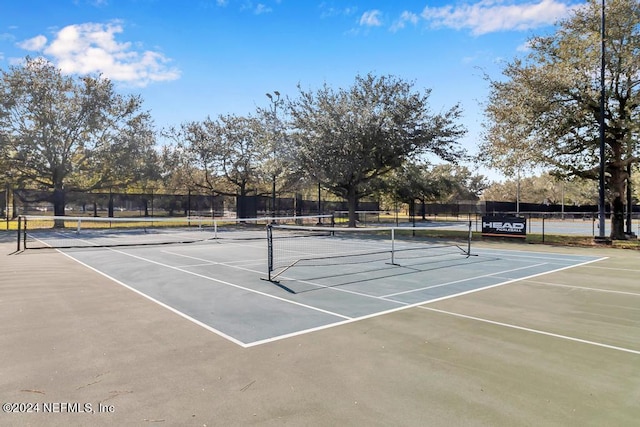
pixel 546 111
pixel 445 182
pixel 349 138
pixel 544 188
pixel 63 133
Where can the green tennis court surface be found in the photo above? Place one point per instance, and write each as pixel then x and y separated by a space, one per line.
pixel 220 285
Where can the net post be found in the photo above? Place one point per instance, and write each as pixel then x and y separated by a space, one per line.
pixel 269 251
pixel 469 236
pixel 79 225
pixel 19 231
pixel 215 228
pixel 333 223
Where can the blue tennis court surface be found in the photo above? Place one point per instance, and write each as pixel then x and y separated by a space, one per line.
pixel 220 286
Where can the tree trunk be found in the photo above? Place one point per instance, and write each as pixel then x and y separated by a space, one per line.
pixel 58 205
pixel 242 202
pixel 110 208
pixel 617 219
pixel 352 202
pixel 618 181
pixel 58 201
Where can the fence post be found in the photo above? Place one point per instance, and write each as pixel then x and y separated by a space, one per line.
pixel 19 229
pixel 24 233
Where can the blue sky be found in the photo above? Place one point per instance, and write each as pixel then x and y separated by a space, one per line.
pixel 190 59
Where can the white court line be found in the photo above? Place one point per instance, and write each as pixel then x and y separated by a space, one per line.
pixel 276 338
pixel 539 255
pixel 318 285
pixel 462 280
pixel 535 282
pixel 160 303
pixel 343 322
pixel 223 282
pixel 207 261
pixel 186 316
pixel 418 304
pixel 535 331
pixel 614 268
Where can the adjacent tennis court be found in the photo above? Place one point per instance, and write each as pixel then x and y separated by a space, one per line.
pixel 359 329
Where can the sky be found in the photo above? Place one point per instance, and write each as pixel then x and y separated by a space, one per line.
pixel 193 59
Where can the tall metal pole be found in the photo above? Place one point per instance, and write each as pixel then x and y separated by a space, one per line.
pixel 518 193
pixel 601 201
pixel 629 202
pixel 274 105
pixel 319 203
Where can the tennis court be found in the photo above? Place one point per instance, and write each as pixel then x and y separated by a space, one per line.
pixel 192 334
pixel 330 276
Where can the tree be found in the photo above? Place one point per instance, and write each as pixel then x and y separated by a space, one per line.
pixel 192 161
pixel 64 133
pixel 222 156
pixel 547 110
pixel 243 155
pixel 278 164
pixel 545 188
pixel 345 139
pixel 425 183
pixel 457 182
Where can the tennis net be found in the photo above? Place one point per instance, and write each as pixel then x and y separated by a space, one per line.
pixel 37 232
pixel 320 246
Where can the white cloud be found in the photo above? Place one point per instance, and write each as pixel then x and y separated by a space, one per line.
pixel 371 18
pixel 35 44
pixel 487 16
pixel 524 47
pixel 93 48
pixel 327 11
pixel 405 17
pixel 18 62
pixel 262 8
pixel 7 37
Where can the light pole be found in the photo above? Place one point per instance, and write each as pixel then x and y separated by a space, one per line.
pixel 601 193
pixel 275 101
pixel 518 193
pixel 629 202
pixel 319 203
